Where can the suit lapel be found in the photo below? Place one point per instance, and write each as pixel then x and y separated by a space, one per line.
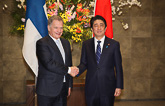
pixel 52 43
pixel 93 49
pixel 105 46
pixel 54 46
pixel 65 48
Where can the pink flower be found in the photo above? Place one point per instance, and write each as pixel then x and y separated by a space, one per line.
pixel 74 15
pixel 68 12
pixel 23 19
pixel 69 19
pixel 61 6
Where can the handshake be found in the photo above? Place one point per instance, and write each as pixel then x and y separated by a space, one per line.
pixel 74 71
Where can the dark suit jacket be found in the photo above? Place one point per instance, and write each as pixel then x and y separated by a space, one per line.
pixel 51 66
pixel 108 74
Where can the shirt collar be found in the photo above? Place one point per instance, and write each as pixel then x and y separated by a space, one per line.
pixel 55 40
pixel 102 39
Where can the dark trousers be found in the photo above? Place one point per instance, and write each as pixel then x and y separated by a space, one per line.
pixel 98 100
pixel 101 101
pixel 60 100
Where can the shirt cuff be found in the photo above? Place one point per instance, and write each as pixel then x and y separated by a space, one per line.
pixel 69 70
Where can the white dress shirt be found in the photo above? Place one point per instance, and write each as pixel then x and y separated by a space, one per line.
pixel 59 45
pixel 101 44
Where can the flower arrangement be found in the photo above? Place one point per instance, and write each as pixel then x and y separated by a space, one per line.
pixel 76 18
pixel 18 15
pixel 75 15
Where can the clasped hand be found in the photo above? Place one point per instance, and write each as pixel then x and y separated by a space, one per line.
pixel 74 71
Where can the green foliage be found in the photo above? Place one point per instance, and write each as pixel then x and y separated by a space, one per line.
pixel 17 14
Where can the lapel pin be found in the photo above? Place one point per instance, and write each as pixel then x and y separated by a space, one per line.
pixel 107 45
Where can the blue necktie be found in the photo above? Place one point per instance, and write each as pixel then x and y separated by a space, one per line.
pixel 98 52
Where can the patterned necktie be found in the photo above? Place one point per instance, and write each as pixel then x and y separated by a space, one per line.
pixel 98 52
pixel 61 49
pixel 59 44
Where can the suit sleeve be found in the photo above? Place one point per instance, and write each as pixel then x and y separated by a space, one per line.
pixel 83 61
pixel 45 58
pixel 70 60
pixel 118 66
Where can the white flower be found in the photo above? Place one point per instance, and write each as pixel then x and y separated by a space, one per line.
pixel 125 26
pixel 92 4
pixel 22 2
pixel 120 1
pixel 5 6
pixel 72 8
pixel 23 19
pixel 120 12
pixel 113 19
pixel 19 6
pixel 117 9
pixel 61 6
pixel 74 15
pixel 113 10
pixel 111 1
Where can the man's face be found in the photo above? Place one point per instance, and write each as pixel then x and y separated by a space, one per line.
pixel 99 28
pixel 56 29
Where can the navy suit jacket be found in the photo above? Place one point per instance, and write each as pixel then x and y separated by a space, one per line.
pixel 51 66
pixel 108 74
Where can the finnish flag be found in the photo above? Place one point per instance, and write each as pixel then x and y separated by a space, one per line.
pixel 36 28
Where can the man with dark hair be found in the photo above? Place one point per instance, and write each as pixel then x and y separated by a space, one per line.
pixel 97 17
pixel 54 58
pixel 102 58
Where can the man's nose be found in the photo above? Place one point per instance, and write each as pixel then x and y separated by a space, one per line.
pixel 99 27
pixel 59 30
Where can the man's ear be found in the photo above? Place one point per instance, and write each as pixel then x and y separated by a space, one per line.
pixel 105 28
pixel 92 29
pixel 48 28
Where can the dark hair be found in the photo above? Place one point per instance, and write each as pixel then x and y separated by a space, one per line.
pixel 54 17
pixel 97 17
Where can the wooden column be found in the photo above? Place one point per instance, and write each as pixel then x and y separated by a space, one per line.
pixel 30 93
pixel 77 97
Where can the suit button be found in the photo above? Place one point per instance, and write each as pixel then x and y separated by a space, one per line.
pixel 98 68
